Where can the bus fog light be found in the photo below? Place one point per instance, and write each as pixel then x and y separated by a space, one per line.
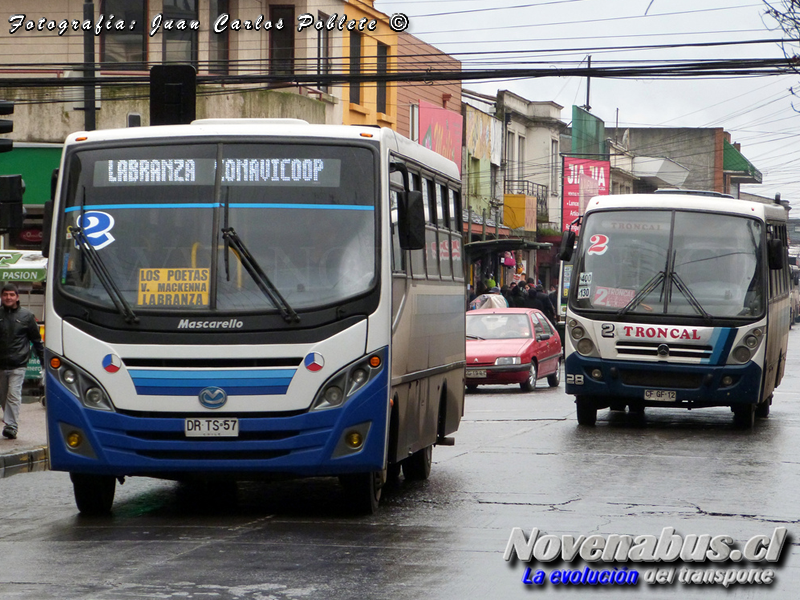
pixel 577 333
pixel 597 374
pixel 727 380
pixel 354 439
pixel 741 354
pixel 751 341
pixel 74 439
pixel 585 346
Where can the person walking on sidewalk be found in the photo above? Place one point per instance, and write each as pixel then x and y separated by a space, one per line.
pixel 18 330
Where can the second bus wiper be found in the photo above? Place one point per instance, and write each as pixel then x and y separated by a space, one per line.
pixel 99 267
pixel 263 282
pixel 642 293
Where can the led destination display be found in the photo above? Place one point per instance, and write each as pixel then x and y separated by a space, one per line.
pixel 321 172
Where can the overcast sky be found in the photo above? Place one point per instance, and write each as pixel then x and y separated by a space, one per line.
pixel 756 111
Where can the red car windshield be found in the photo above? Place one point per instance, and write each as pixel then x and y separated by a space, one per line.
pixel 498 327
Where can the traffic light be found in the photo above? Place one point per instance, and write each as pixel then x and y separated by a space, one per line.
pixel 6 125
pixel 11 214
pixel 172 94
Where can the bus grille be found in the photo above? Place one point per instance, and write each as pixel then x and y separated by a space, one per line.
pixel 244 436
pixel 661 379
pixel 212 454
pixel 677 351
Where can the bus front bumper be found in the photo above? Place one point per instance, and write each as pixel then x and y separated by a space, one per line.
pixel 662 384
pixel 308 444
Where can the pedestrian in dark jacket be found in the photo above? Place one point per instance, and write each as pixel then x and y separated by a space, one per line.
pixel 547 306
pixel 18 330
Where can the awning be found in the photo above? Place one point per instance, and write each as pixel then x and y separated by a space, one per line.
pixel 735 164
pixel 477 249
pixel 659 172
pixel 22 266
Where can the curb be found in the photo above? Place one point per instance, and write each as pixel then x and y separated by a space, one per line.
pixel 24 461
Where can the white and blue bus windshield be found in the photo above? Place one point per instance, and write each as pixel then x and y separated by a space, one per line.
pixel 671 262
pixel 154 214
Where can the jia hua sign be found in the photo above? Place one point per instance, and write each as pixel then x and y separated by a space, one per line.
pixel 583 179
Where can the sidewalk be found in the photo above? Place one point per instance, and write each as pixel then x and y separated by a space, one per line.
pixel 29 451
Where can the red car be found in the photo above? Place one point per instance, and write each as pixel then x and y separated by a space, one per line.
pixel 511 345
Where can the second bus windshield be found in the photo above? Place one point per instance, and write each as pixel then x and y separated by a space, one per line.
pixel 670 262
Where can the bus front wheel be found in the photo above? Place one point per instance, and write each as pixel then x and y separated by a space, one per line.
pixel 94 494
pixel 587 410
pixel 417 467
pixel 363 490
pixel 744 416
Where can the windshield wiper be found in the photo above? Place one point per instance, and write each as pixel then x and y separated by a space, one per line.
pixel 99 267
pixel 474 337
pixel 232 240
pixel 687 293
pixel 642 293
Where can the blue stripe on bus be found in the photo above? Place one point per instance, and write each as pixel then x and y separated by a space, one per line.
pixel 216 205
pixel 195 390
pixel 149 382
pixel 211 374
pixel 721 342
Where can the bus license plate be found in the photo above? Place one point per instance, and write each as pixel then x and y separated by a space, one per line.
pixel 476 373
pixel 662 395
pixel 211 427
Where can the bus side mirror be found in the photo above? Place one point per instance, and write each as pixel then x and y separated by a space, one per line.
pixel 47 224
pixel 411 221
pixel 567 244
pixel 47 217
pixel 776 254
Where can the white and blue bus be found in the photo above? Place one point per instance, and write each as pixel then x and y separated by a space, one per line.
pixel 677 300
pixel 246 299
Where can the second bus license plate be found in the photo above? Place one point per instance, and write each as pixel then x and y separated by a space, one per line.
pixel 217 427
pixel 662 395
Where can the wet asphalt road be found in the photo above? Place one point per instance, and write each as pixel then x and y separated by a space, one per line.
pixel 520 461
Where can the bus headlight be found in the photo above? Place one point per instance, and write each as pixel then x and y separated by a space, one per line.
pixel 585 346
pixel 741 354
pixel 349 380
pixel 751 341
pixel 82 385
pixel 508 360
pixel 577 332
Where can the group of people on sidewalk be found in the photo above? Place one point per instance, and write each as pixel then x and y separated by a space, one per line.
pixel 527 293
pixel 18 331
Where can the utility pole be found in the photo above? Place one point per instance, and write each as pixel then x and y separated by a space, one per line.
pixel 89 118
pixel 588 107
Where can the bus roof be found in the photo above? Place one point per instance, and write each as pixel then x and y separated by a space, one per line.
pixel 294 128
pixel 688 202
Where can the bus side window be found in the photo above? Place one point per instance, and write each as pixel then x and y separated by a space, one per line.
pixel 418 256
pixel 444 233
pixel 431 239
pixel 456 235
pixel 398 255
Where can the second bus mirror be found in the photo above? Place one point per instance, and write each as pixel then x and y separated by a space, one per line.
pixel 567 244
pixel 776 254
pixel 412 221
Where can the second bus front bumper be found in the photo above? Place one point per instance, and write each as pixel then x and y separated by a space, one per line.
pixel 662 384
